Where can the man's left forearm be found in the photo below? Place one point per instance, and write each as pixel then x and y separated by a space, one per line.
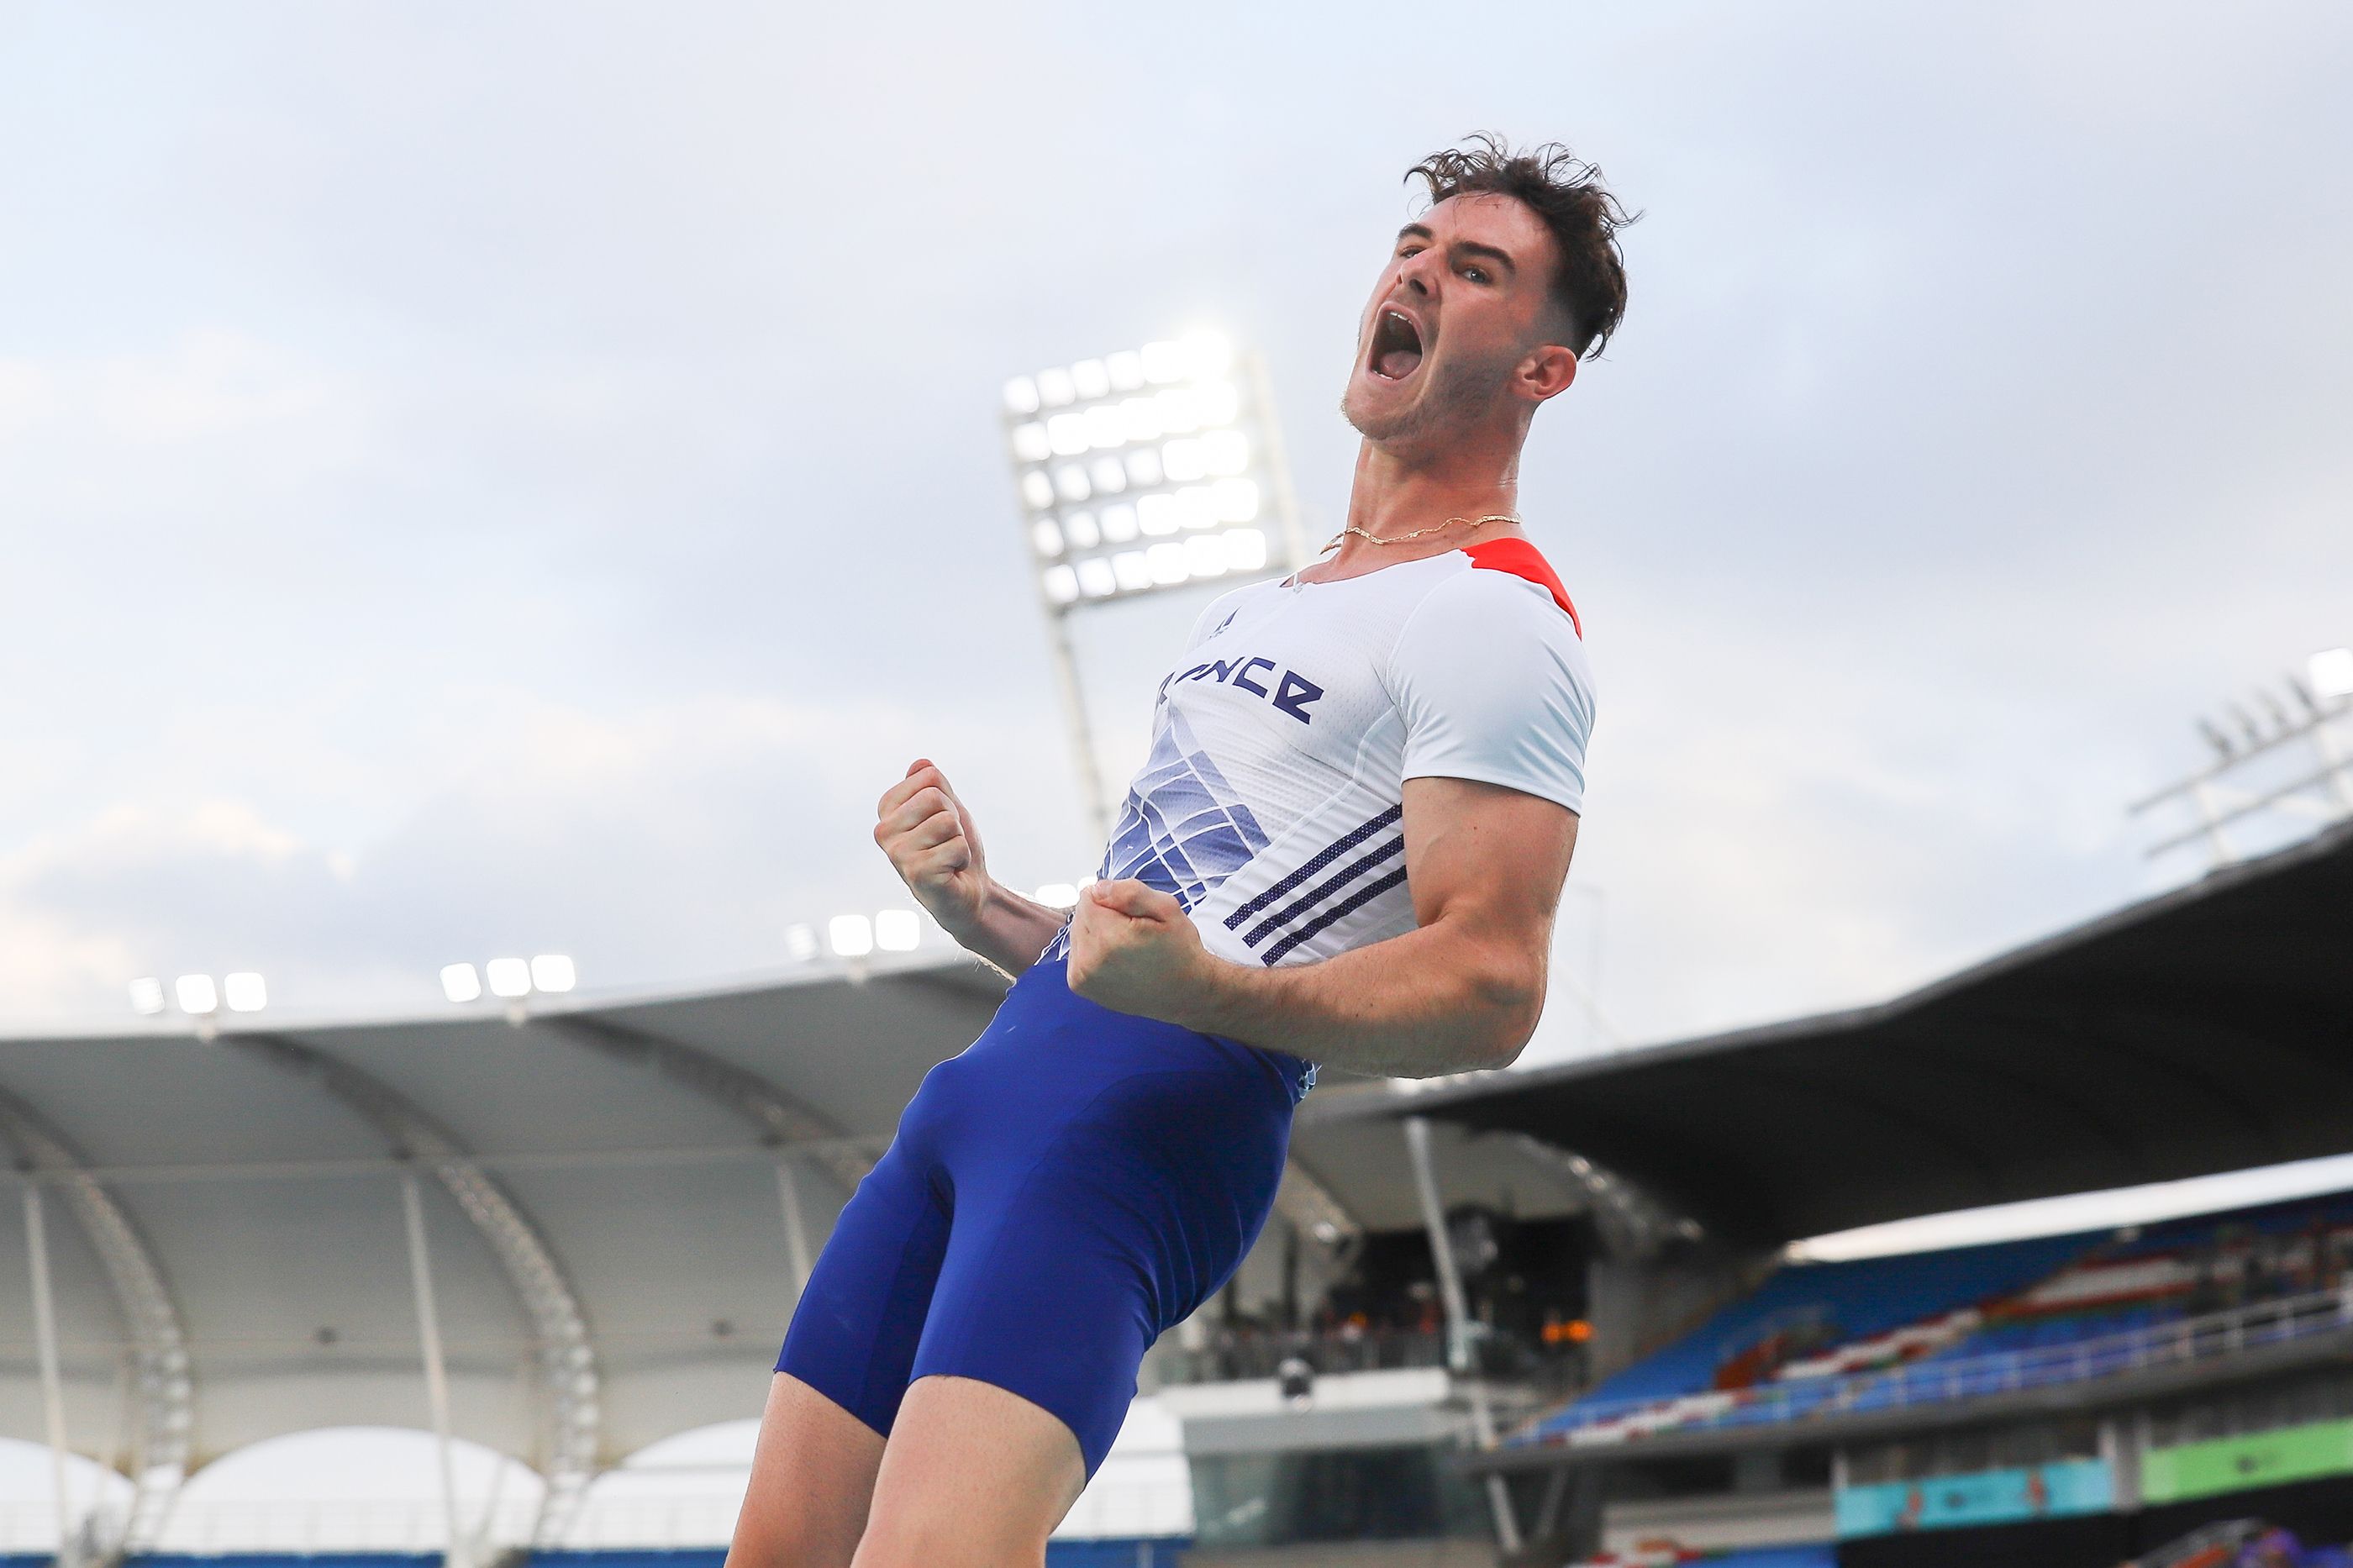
pixel 1429 1002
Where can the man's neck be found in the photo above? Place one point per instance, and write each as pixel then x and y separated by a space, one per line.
pixel 1396 494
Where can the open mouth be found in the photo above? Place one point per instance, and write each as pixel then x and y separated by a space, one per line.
pixel 1396 347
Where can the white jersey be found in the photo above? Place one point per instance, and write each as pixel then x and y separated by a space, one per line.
pixel 1272 804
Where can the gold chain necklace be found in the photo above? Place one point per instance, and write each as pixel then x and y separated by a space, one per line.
pixel 1372 537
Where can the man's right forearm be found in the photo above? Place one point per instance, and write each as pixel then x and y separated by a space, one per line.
pixel 1010 931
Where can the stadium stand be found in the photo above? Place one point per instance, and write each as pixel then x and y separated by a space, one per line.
pixel 2064 1400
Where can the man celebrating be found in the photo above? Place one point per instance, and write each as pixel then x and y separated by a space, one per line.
pixel 1346 847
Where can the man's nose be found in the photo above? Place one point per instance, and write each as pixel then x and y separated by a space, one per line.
pixel 1415 274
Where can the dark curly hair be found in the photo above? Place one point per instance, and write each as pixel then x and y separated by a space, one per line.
pixel 1567 194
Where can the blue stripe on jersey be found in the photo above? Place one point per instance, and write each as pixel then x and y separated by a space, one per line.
pixel 1322 858
pixel 1321 891
pixel 1345 907
pixel 1183 828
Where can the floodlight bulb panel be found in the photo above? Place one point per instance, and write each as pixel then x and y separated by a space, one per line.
pixel 197 995
pixel 1167 564
pixel 244 992
pixel 850 936
pixel 461 982
pixel 1174 431
pixel 553 973
pixel 2332 673
pixel 1236 500
pixel 1059 895
pixel 509 978
pixel 147 995
pixel 800 943
pixel 898 930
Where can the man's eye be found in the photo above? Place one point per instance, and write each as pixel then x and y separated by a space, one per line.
pixel 1476 274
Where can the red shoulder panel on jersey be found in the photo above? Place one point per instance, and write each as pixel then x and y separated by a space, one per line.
pixel 1522 558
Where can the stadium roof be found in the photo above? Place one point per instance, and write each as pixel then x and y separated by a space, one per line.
pixel 599 1182
pixel 2204 1031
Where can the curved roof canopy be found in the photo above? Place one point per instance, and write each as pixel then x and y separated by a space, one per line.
pixel 604 1186
pixel 2209 1029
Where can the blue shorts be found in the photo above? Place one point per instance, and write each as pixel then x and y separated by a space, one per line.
pixel 1074 1184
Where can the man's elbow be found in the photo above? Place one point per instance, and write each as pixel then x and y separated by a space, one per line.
pixel 1511 994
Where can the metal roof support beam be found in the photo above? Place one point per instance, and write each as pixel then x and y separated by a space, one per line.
pixel 1461 1354
pixel 1313 1211
pixel 797 1242
pixel 165 1395
pixel 437 1371
pixel 568 1355
pixel 53 1395
pixel 776 1116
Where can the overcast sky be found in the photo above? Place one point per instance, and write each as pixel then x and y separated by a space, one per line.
pixel 522 479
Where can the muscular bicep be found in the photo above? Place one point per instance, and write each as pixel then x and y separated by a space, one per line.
pixel 1488 859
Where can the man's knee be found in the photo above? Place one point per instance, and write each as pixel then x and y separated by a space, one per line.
pixel 920 1535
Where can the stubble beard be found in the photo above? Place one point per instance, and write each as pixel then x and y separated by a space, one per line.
pixel 1457 399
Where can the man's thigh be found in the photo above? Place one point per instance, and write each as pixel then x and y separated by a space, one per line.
pixel 812 1482
pixel 973 1477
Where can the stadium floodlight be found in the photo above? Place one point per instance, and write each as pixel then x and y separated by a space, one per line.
pixel 898 930
pixel 147 995
pixel 197 995
pixel 2332 673
pixel 1057 895
pixel 510 978
pixel 244 992
pixel 850 936
pixel 1174 440
pixel 461 982
pixel 553 973
pixel 800 943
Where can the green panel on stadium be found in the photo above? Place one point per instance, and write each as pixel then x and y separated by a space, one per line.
pixel 2237 1464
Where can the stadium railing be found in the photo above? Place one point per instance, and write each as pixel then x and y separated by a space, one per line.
pixel 1952 1377
pixel 1260 1354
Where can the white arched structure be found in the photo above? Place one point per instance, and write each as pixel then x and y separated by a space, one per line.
pixel 613 1265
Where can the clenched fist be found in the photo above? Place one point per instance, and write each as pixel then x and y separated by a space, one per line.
pixel 932 845
pixel 1133 950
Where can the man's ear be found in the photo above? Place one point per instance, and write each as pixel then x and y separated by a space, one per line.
pixel 1547 373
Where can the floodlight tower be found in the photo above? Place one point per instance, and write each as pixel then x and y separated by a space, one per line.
pixel 1144 473
pixel 2256 771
